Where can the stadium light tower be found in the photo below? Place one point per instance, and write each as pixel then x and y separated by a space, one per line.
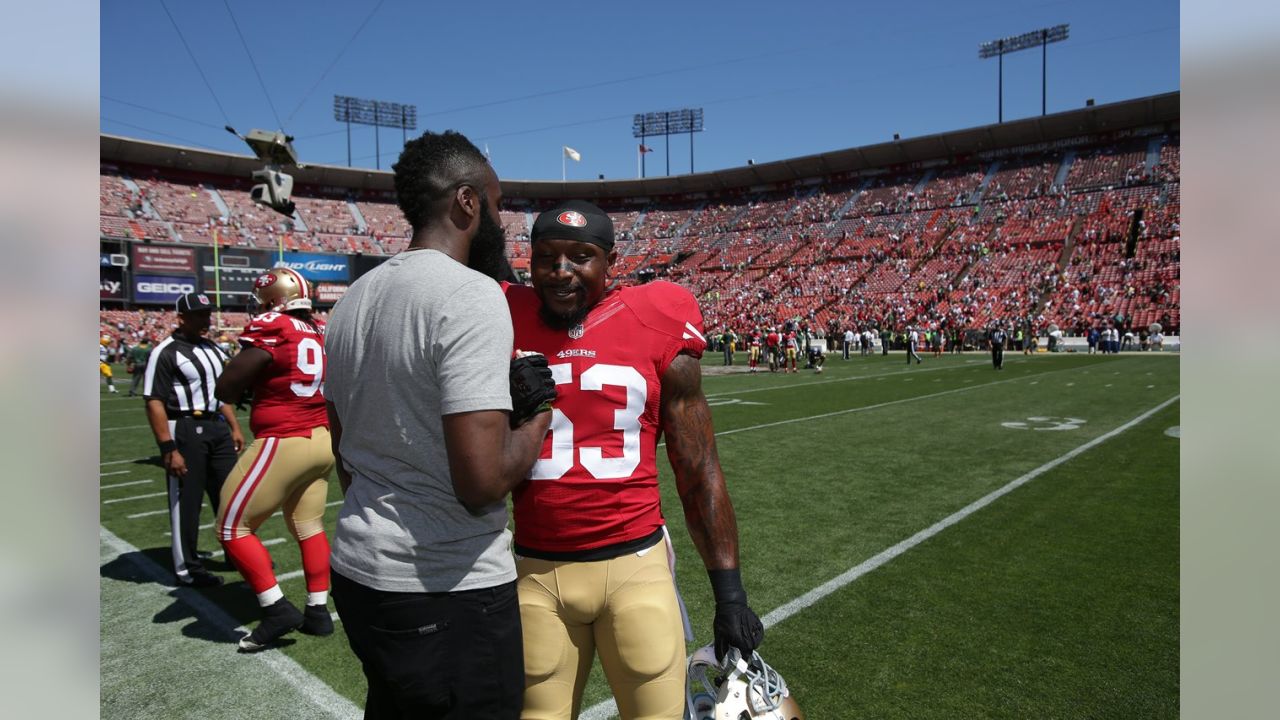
pixel 686 120
pixel 377 113
pixel 1041 38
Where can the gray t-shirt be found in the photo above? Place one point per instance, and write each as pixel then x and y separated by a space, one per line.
pixel 419 337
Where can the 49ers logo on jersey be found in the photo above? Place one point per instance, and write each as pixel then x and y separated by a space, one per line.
pixel 264 280
pixel 572 218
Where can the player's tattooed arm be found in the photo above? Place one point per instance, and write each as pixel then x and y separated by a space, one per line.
pixel 691 448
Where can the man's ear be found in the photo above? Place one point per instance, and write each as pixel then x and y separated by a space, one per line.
pixel 466 205
pixel 611 258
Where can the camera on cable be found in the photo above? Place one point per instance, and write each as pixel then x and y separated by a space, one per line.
pixel 274 187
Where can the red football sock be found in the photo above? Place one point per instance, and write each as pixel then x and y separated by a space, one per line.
pixel 252 560
pixel 315 562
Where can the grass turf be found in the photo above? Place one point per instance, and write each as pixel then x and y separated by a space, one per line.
pixel 1058 600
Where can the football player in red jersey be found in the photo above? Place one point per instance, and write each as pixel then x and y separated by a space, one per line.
pixel 771 342
pixel 592 553
pixel 288 464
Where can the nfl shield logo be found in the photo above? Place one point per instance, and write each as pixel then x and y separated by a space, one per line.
pixel 576 331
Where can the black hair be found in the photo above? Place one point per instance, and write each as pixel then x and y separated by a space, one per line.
pixel 431 167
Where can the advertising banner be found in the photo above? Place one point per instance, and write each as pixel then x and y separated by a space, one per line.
pixel 316 267
pixel 110 283
pixel 239 268
pixel 328 293
pixel 161 288
pixel 169 260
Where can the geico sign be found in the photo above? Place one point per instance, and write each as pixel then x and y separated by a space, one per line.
pixel 315 266
pixel 109 286
pixel 166 287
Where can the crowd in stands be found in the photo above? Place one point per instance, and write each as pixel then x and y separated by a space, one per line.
pixel 960 246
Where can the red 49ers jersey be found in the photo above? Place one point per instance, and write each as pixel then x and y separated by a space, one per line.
pixel 596 482
pixel 289 400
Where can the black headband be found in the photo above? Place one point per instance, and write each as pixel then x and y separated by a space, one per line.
pixel 576 220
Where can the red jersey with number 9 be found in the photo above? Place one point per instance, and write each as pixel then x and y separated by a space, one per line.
pixel 289 399
pixel 596 482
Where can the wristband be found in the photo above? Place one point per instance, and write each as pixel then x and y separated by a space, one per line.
pixel 167 447
pixel 726 586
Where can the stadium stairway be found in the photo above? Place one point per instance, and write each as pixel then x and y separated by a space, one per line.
pixel 358 216
pixel 1060 177
pixel 840 213
pixel 929 175
pixel 218 202
pixel 133 186
pixel 932 252
pixel 1048 290
pixel 799 202
pixel 976 196
pixel 1153 154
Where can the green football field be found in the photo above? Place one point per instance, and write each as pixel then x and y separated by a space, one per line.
pixel 927 541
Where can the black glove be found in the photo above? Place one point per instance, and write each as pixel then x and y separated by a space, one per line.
pixel 532 388
pixel 735 624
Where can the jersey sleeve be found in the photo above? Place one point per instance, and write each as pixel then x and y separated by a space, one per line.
pixel 673 311
pixel 472 345
pixel 266 331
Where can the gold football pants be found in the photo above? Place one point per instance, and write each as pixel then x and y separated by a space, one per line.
pixel 273 472
pixel 626 610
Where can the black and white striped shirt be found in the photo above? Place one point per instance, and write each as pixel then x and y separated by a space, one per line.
pixel 183 375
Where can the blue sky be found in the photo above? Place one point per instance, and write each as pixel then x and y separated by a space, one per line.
pixel 776 79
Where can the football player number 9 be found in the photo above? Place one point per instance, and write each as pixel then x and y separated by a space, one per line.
pixel 310 362
pixel 627 420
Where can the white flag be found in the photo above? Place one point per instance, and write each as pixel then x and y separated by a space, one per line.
pixel 572 154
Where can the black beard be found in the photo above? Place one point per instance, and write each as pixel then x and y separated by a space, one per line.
pixel 488 252
pixel 556 321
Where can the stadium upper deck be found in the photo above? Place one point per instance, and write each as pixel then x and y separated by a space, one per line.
pixel 1067 219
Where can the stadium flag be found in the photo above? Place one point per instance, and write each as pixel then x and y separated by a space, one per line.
pixel 644 149
pixel 568 153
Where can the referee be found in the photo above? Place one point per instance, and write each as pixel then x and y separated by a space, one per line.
pixel 197 434
pixel 998 338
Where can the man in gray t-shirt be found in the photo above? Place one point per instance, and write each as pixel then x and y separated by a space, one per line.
pixel 419 398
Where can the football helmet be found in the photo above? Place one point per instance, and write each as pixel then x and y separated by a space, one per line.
pixel 736 689
pixel 282 289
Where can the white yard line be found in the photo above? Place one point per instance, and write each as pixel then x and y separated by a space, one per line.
pixel 313 697
pixel 609 708
pixel 124 484
pixel 277 513
pixel 134 497
pixel 879 376
pixel 864 408
pixel 268 542
pixel 116 472
pixel 122 462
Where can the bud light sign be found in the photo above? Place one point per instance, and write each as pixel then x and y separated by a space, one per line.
pixel 161 288
pixel 316 267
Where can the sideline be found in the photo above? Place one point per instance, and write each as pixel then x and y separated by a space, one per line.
pixel 609 708
pixel 272 681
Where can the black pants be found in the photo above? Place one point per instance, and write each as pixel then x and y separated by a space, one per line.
pixel 997 356
pixel 436 655
pixel 205 444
